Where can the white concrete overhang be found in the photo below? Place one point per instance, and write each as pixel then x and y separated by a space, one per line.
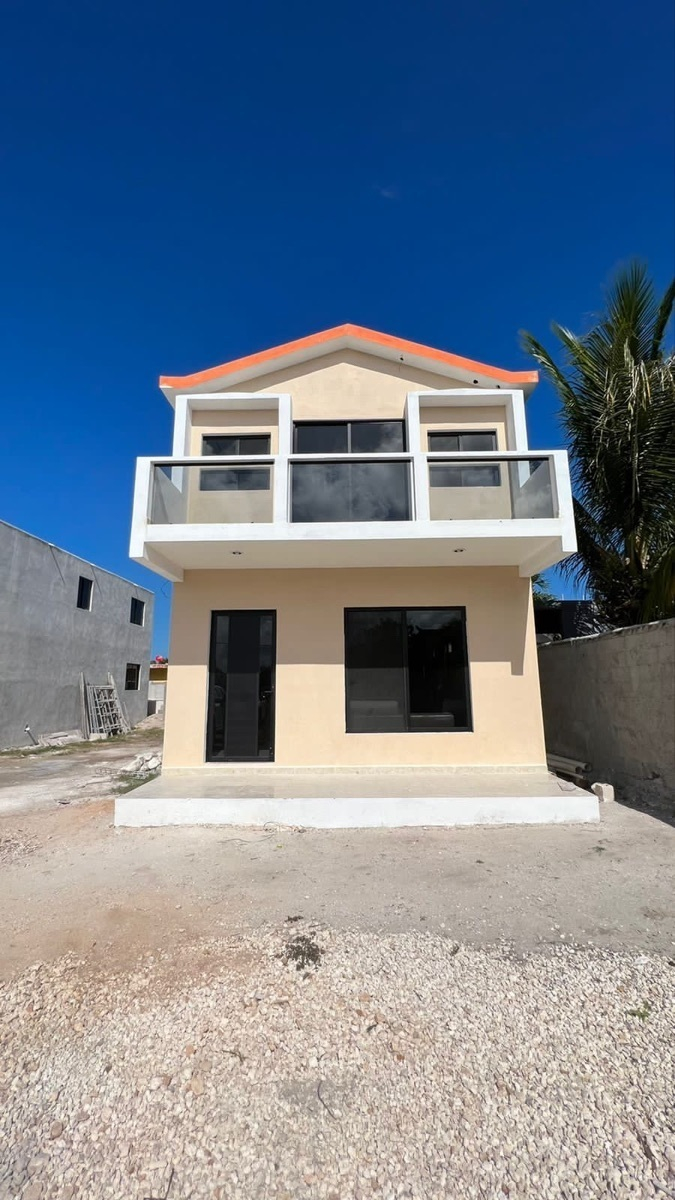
pixel 171 550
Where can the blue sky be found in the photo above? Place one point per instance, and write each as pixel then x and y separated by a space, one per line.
pixel 183 184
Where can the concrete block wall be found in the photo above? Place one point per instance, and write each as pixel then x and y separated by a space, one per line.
pixel 46 640
pixel 609 699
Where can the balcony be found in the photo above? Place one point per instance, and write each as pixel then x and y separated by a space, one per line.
pixel 356 510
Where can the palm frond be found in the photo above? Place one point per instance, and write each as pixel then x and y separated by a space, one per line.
pixel 617 408
pixel 662 318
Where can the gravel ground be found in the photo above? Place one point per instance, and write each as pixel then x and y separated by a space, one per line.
pixel 397 1065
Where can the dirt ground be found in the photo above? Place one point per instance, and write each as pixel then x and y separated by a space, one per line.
pixel 481 1011
pixel 72 774
pixel 70 881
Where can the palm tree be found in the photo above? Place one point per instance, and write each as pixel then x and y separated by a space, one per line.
pixel 542 592
pixel 616 388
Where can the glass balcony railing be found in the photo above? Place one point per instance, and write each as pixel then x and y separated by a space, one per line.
pixel 475 489
pixel 351 490
pixel 357 489
pixel 226 493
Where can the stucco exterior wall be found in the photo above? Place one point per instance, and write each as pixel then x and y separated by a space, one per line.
pixel 46 640
pixel 310 678
pixel 609 700
pixel 233 421
pixel 348 384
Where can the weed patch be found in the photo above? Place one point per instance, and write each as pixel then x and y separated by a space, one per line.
pixel 303 951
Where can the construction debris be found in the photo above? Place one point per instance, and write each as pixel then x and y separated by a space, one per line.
pixel 102 709
pixel 144 764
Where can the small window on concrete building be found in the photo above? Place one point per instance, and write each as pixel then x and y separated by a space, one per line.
pixel 85 589
pixel 137 615
pixel 133 677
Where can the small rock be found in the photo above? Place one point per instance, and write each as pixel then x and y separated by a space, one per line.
pixel 56 1129
pixel 604 792
pixel 32 1192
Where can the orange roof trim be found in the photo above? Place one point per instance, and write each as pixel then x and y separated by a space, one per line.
pixel 357 333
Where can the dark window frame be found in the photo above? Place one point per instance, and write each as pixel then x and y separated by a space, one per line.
pixel 459 434
pixel 131 687
pixel 210 707
pixel 234 478
pixel 239 438
pixel 134 608
pixel 84 579
pixel 460 608
pixel 358 421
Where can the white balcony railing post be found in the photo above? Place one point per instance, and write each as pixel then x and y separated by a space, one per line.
pixel 143 485
pixel 282 470
pixel 280 497
pixel 420 475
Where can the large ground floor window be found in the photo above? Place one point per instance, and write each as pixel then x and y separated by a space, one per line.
pixel 406 670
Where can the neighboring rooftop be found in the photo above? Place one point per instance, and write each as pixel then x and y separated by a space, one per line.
pixel 78 557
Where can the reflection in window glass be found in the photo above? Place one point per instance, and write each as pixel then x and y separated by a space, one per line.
pixel 350 437
pixel 406 670
pixel 239 444
pixel 241 687
pixel 373 437
pixel 437 669
pixel 375 662
pixel 462 442
pixel 464 475
pixel 322 438
pixel 344 491
pixel 234 479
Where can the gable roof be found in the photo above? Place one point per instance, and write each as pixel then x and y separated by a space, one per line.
pixel 353 337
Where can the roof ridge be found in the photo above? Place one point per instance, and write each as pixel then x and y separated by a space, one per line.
pixel 359 333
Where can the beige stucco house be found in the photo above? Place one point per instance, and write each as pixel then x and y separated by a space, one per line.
pixel 351 522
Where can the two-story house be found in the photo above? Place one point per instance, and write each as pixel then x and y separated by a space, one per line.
pixel 351 522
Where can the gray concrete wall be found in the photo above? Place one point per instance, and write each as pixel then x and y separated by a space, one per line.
pixel 609 699
pixel 46 640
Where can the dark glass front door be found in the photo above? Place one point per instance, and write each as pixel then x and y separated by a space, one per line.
pixel 241 687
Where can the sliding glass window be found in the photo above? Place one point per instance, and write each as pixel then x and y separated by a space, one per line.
pixel 349 437
pixel 464 442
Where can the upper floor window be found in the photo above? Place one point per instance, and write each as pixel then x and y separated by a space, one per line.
pixel 462 442
pixel 235 479
pixel 137 614
pixel 85 590
pixel 239 443
pixel 349 437
pixel 469 474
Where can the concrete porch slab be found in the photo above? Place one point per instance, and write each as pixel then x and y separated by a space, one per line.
pixel 354 800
